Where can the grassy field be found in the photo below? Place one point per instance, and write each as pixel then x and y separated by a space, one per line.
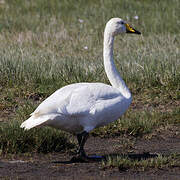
pixel 45 45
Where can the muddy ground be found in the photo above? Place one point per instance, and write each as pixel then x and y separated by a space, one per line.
pixel 59 166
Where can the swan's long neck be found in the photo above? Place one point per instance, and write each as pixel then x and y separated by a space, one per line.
pixel 110 68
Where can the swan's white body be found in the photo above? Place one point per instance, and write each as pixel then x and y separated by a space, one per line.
pixel 84 106
pixel 79 107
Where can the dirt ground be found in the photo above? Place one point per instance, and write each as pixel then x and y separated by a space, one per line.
pixel 59 166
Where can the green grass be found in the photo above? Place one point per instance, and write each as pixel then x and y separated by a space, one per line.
pixel 44 140
pixel 124 163
pixel 42 48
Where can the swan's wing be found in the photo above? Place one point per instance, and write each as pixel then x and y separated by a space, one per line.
pixel 76 100
pixel 71 100
pixel 85 98
pixel 80 102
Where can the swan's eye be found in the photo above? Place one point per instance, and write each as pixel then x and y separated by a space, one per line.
pixel 120 22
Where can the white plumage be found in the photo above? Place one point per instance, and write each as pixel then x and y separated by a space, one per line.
pixel 81 107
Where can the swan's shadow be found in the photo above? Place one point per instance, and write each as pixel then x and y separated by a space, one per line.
pixel 105 157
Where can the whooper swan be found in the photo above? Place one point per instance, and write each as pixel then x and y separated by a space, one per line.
pixel 81 107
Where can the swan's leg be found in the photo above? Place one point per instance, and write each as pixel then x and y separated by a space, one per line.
pixel 79 138
pixel 82 138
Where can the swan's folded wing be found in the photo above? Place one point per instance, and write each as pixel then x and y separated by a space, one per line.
pixel 75 100
pixel 84 99
pixel 80 102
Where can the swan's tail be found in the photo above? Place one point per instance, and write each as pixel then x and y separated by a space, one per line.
pixel 34 121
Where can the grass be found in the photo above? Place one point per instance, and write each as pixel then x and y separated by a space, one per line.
pixel 124 163
pixel 45 140
pixel 45 45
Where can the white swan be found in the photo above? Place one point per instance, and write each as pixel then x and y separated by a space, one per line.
pixel 81 107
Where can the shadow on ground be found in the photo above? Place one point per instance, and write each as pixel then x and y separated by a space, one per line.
pixel 92 159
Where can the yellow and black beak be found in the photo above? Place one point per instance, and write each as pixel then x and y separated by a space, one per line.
pixel 129 29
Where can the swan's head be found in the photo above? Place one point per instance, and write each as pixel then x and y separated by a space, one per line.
pixel 116 26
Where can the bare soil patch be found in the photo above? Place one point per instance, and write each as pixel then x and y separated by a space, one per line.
pixel 59 166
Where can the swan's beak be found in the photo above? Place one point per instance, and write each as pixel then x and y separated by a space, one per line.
pixel 129 29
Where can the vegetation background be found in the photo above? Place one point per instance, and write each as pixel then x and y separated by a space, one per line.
pixel 45 45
